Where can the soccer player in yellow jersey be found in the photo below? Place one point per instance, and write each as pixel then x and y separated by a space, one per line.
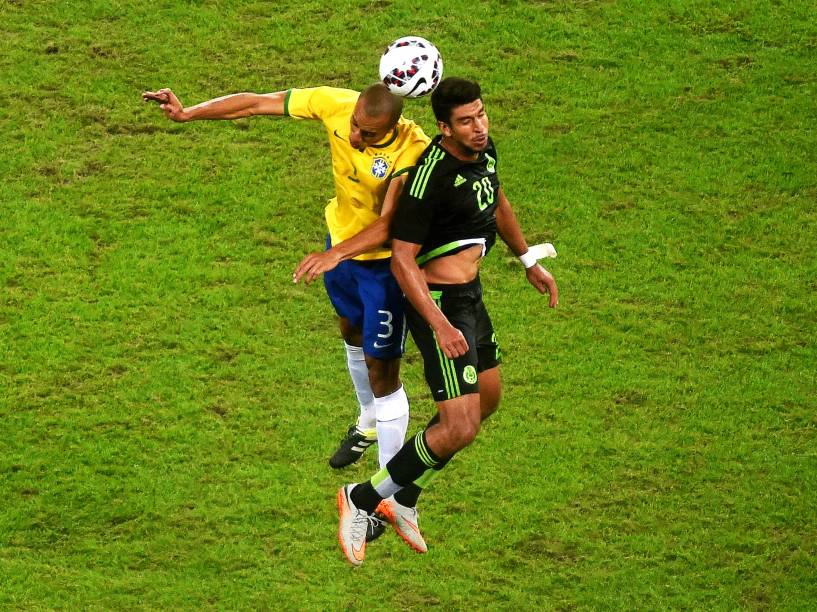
pixel 373 147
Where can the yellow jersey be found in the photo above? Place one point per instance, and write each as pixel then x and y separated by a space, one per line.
pixel 361 177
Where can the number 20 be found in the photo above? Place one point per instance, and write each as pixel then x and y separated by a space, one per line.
pixel 489 192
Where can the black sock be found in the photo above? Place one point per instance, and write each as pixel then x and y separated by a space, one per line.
pixel 365 497
pixel 412 460
pixel 409 494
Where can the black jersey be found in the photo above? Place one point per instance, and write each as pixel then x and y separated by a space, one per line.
pixel 448 204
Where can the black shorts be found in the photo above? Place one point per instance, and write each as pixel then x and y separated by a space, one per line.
pixel 463 306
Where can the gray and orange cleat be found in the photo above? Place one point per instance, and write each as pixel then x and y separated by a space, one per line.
pixel 405 523
pixel 353 524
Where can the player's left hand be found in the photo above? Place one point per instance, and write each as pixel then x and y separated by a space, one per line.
pixel 315 264
pixel 544 282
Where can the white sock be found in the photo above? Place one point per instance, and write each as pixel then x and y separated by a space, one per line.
pixel 392 421
pixel 356 362
pixel 367 421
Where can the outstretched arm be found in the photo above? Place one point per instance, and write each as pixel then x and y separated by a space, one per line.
pixel 233 106
pixel 414 286
pixel 375 235
pixel 508 228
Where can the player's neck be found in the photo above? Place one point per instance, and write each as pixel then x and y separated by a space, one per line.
pixel 458 150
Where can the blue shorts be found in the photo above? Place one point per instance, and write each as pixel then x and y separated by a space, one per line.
pixel 366 293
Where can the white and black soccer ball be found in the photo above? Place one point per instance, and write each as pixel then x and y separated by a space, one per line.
pixel 411 66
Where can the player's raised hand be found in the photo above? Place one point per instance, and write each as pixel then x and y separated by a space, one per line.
pixel 544 282
pixel 315 264
pixel 171 106
pixel 451 341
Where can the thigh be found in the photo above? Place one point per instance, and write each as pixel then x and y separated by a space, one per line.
pixel 341 287
pixel 490 391
pixel 488 352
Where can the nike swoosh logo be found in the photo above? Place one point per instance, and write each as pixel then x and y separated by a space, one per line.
pixel 358 552
pixel 392 516
pixel 376 345
pixel 339 136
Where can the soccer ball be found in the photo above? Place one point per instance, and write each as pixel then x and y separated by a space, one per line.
pixel 411 67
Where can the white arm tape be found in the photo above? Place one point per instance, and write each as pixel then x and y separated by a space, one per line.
pixel 528 259
pixel 537 252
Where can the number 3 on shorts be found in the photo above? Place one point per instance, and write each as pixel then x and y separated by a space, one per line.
pixel 386 323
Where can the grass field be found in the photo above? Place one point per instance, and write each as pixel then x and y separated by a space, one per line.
pixel 168 398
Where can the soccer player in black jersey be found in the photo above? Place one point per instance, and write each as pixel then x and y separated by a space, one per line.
pixel 450 211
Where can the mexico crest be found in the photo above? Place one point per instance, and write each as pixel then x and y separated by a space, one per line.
pixel 491 164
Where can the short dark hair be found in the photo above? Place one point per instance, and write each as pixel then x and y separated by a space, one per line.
pixel 378 101
pixel 453 92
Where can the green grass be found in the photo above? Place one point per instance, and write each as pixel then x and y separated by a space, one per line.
pixel 168 398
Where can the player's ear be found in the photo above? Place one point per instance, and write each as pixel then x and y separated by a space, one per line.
pixel 444 128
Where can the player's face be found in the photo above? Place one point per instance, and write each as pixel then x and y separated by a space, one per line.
pixel 366 130
pixel 468 126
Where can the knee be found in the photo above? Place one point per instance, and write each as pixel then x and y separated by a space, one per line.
pixel 384 375
pixel 489 407
pixel 490 392
pixel 352 334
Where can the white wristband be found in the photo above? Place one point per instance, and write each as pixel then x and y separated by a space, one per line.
pixel 528 259
pixel 537 252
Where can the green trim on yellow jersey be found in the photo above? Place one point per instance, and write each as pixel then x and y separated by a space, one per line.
pixel 383 145
pixel 286 102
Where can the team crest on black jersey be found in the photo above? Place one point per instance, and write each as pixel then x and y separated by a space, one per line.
pixel 380 167
pixel 491 165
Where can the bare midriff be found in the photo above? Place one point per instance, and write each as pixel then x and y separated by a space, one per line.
pixel 454 269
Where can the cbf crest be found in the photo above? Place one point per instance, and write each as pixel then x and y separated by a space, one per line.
pixel 380 167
